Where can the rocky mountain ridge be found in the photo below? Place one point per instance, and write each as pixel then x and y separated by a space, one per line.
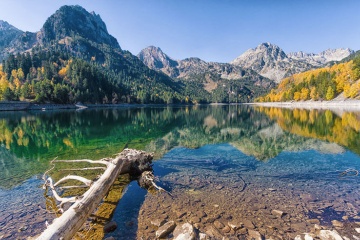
pixel 272 62
pixel 190 68
pixel 323 57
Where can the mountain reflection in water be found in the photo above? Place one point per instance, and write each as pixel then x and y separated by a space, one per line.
pixel 30 140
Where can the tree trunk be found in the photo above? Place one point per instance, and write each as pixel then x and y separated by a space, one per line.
pixel 128 161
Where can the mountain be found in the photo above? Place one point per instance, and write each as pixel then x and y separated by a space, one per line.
pixel 156 59
pixel 272 62
pixel 74 58
pixel 321 58
pixel 13 40
pixel 7 34
pixel 339 81
pixel 72 21
pixel 211 75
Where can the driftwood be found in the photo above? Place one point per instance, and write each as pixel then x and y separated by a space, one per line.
pixel 65 227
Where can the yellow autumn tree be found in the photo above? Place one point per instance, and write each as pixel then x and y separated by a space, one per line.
pixel 330 93
pixel 297 96
pixel 304 95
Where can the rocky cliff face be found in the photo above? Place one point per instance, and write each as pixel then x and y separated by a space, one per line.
pixel 73 21
pixel 13 40
pixel 272 62
pixel 70 26
pixel 195 68
pixel 321 58
pixel 156 59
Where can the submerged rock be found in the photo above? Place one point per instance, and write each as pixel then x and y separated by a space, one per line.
pixel 110 226
pixel 329 235
pixel 304 236
pixel 184 232
pixel 158 222
pixel 337 224
pixel 255 235
pixel 165 229
pixel 277 213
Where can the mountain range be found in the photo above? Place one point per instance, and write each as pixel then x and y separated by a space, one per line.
pixel 152 74
pixel 266 60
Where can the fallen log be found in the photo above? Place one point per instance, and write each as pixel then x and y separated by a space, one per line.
pixel 65 227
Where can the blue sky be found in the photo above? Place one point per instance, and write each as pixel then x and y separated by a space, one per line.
pixel 213 30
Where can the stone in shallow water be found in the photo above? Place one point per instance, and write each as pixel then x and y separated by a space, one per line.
pixel 277 213
pixel 110 226
pixel 235 225
pixel 248 224
pixel 165 229
pixel 304 236
pixel 158 222
pixel 213 232
pixel 219 225
pixel 314 221
pixel 329 235
pixel 337 224
pixel 254 235
pixel 184 232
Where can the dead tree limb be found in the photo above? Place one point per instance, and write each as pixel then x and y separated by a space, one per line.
pixel 129 161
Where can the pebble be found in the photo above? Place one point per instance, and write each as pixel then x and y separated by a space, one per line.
pixel 277 213
pixel 337 224
pixel 235 225
pixel 255 235
pixel 23 228
pixel 313 221
pixel 110 226
pixel 248 224
pixel 226 229
pixel 158 222
pixel 219 225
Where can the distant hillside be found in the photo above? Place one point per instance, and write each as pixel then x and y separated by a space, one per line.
pixel 339 81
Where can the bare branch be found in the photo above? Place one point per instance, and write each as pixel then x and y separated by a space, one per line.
pixel 80 169
pixel 51 162
pixel 62 201
pixel 102 161
pixel 86 181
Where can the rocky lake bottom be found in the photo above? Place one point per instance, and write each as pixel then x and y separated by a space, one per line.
pixel 230 195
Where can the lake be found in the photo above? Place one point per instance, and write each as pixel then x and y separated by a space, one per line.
pixel 278 172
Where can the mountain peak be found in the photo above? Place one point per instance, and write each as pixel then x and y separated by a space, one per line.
pixel 70 21
pixel 155 58
pixel 268 60
pixel 5 26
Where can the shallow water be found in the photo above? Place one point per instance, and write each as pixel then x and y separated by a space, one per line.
pixel 223 163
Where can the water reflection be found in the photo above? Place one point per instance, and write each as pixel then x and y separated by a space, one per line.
pixel 30 140
pixel 339 127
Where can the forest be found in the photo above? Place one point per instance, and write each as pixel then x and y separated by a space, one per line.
pixel 55 75
pixel 319 84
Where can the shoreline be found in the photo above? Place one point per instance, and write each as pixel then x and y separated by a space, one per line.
pixel 335 104
pixel 27 106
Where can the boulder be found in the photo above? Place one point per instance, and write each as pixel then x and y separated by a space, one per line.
pixel 184 232
pixel 165 229
pixel 329 235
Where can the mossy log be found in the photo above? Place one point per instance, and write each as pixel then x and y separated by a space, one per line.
pixel 65 227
